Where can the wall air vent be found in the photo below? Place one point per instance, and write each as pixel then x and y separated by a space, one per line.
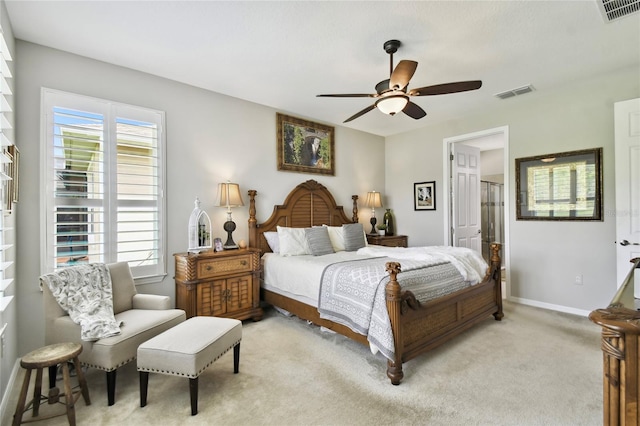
pixel 612 10
pixel 514 92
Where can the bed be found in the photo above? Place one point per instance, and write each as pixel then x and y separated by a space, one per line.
pixel 416 327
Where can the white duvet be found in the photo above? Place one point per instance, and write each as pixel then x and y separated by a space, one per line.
pixel 301 275
pixel 468 262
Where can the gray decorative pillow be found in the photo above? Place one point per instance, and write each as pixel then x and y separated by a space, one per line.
pixel 353 236
pixel 318 240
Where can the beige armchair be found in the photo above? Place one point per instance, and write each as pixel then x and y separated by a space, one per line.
pixel 143 316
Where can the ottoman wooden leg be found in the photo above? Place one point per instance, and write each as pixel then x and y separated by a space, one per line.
pixel 144 383
pixel 236 358
pixel 193 392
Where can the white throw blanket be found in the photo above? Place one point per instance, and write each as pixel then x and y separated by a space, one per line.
pixel 84 291
pixel 468 262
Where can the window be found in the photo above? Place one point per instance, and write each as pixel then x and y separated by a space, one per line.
pixel 562 186
pixel 104 180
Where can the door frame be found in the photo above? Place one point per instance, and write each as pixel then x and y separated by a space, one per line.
pixel 446 179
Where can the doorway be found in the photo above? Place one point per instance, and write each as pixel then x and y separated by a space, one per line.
pixel 487 141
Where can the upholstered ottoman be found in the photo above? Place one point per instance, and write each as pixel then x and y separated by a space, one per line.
pixel 187 349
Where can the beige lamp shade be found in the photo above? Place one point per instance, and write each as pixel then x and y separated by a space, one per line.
pixel 229 195
pixel 373 200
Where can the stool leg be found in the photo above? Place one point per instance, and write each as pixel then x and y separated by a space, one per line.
pixel 17 417
pixel 193 392
pixel 144 383
pixel 37 392
pixel 68 395
pixel 236 358
pixel 82 381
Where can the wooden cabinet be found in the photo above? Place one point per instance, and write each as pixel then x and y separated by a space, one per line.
pixel 221 284
pixel 388 240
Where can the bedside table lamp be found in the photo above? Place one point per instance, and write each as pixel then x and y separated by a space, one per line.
pixel 373 201
pixel 229 196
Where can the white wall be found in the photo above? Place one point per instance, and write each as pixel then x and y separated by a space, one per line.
pixel 545 256
pixel 210 138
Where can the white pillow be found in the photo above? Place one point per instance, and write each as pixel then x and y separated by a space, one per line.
pixel 336 236
pixel 293 241
pixel 273 241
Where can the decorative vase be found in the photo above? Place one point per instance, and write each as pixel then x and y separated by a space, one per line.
pixel 388 220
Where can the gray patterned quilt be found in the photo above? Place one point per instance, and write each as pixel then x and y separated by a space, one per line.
pixel 84 291
pixel 352 293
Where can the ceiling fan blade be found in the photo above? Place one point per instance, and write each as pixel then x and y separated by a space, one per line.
pixel 348 95
pixel 363 112
pixel 402 74
pixel 414 111
pixel 443 89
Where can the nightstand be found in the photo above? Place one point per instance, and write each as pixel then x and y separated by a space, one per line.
pixel 221 284
pixel 388 240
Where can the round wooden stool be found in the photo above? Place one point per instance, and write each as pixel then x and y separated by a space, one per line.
pixel 50 356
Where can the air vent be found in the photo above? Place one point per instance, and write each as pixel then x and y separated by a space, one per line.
pixel 514 92
pixel 612 10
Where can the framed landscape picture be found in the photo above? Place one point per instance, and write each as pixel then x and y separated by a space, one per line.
pixel 424 196
pixel 305 146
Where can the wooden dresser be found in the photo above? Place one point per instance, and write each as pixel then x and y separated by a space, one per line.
pixel 388 240
pixel 222 284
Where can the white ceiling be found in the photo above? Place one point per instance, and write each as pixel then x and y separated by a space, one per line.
pixel 282 54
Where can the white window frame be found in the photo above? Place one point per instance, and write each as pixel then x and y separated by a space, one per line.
pixel 51 98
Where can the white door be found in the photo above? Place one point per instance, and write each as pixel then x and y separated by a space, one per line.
pixel 466 197
pixel 627 148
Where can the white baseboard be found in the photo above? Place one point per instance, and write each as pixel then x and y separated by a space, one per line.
pixel 549 306
pixel 11 385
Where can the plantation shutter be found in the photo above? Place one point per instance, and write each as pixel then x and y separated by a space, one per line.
pixel 104 184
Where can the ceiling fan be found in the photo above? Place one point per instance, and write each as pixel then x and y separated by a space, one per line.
pixel 392 94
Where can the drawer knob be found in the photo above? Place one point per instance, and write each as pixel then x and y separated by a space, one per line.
pixel 243 263
pixel 208 268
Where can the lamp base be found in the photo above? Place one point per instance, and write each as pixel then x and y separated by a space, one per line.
pixel 229 226
pixel 373 222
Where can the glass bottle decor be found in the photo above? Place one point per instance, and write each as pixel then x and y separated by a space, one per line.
pixel 388 220
pixel 199 229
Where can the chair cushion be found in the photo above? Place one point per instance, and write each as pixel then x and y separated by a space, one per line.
pixel 123 286
pixel 138 326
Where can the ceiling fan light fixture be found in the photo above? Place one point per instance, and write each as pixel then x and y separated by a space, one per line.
pixel 392 104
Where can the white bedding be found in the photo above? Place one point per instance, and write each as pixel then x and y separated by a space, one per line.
pixel 301 275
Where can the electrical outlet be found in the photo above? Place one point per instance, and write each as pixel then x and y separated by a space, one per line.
pixel 579 279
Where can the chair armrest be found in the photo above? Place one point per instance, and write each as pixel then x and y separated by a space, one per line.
pixel 151 301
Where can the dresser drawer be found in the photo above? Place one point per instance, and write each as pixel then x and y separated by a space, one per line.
pixel 208 268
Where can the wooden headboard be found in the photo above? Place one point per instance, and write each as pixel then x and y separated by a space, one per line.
pixel 308 204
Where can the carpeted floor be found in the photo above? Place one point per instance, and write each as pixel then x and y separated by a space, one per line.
pixel 536 367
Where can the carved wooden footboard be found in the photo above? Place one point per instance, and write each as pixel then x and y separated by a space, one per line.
pixel 416 327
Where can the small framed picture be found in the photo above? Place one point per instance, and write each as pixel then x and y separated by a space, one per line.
pixel 424 196
pixel 217 244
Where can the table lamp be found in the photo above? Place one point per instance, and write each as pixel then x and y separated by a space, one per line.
pixel 229 196
pixel 373 201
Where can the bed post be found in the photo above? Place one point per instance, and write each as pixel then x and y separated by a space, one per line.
pixel 354 219
pixel 253 223
pixel 496 268
pixel 394 306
